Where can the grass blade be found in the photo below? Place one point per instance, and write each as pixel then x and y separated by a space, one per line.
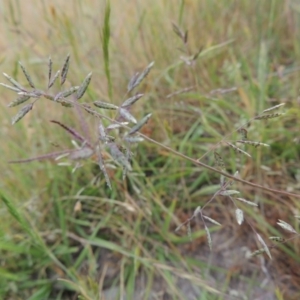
pixel 105 46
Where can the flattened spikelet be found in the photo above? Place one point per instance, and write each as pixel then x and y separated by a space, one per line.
pixel 13 88
pixel 137 80
pixel 208 237
pixel 132 81
pixel 82 153
pixel 268 116
pixel 14 82
pixel 286 226
pixel 236 149
pixel 127 115
pixel 273 107
pixel 182 35
pixel 102 133
pixel 30 94
pixel 132 100
pixel 84 86
pixel 246 201
pixel 264 245
pixel 219 160
pixel 103 169
pixel 105 105
pixel 184 90
pixel 239 216
pixel 212 220
pixel 243 132
pixel 140 124
pixel 118 156
pixel 51 82
pixel 252 143
pixel 229 192
pixel 18 101
pixel 66 93
pixel 49 69
pixel 277 239
pixel 24 110
pixel 133 139
pixel 128 155
pixel 27 76
pixel 258 252
pixel 64 71
pixel 116 126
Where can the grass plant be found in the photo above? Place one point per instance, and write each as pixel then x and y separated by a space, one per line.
pixel 214 147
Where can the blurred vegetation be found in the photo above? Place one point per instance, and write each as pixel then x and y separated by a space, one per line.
pixel 62 236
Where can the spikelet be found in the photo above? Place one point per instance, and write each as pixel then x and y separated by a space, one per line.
pixel 236 149
pixel 84 86
pixel 219 160
pixel 264 245
pixel 49 69
pixel 212 220
pixel 137 79
pixel 258 252
pixel 252 143
pixel 208 237
pixel 105 105
pixel 140 124
pixel 66 93
pixel 103 169
pixel 268 116
pixel 127 115
pixel 239 214
pixel 277 239
pixel 14 82
pixel 24 110
pixel 286 226
pixel 243 132
pixel 51 82
pixel 13 88
pixel 18 101
pixel 132 100
pixel 27 76
pixel 64 71
pixel 246 201
pixel 119 157
pixel 273 107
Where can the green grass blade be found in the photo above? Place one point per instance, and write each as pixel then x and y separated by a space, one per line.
pixel 105 46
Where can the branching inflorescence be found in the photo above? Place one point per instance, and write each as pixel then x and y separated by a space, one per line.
pixel 120 144
pixel 120 149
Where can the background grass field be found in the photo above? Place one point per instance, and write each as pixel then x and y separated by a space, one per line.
pixel 63 237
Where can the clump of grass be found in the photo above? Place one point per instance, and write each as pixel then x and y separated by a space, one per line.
pixel 120 144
